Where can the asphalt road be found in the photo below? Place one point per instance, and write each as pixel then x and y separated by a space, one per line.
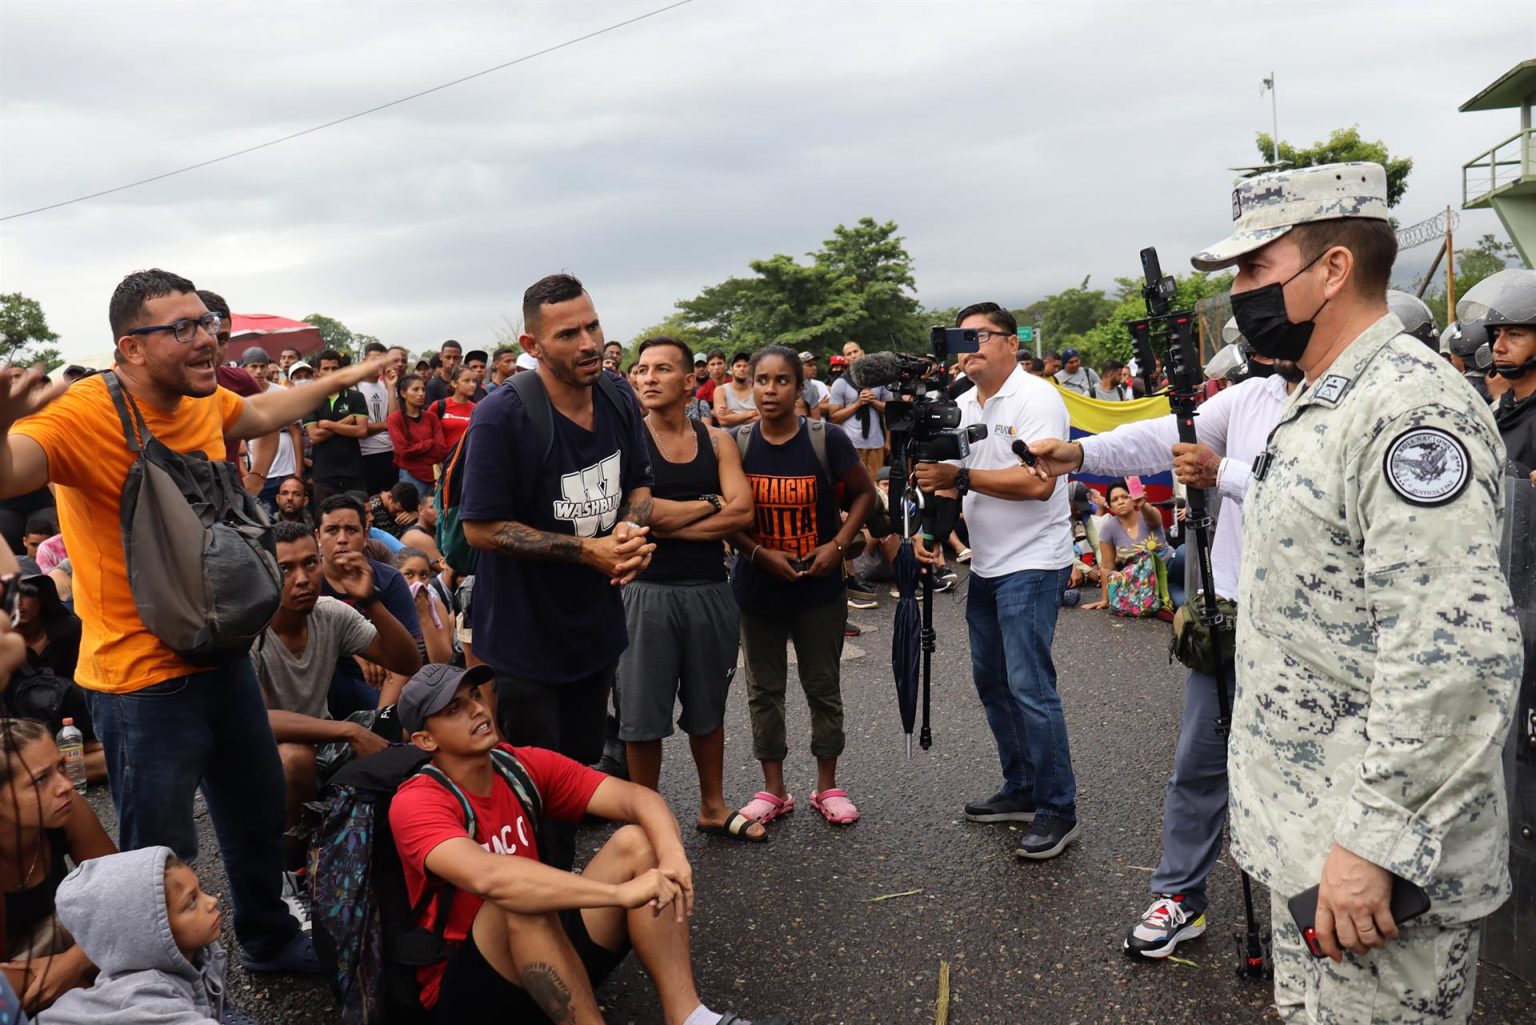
pixel 796 924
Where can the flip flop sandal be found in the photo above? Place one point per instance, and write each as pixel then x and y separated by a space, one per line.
pixel 734 828
pixel 764 807
pixel 835 806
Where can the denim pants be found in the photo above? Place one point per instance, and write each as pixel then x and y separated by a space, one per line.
pixel 209 731
pixel 423 488
pixel 1012 621
pixel 1195 803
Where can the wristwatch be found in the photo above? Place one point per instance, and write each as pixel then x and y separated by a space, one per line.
pixel 374 597
pixel 713 500
pixel 963 480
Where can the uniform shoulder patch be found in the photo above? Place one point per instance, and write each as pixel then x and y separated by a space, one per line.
pixel 1333 388
pixel 1427 466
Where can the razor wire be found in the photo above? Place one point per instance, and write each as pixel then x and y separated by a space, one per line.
pixel 1432 230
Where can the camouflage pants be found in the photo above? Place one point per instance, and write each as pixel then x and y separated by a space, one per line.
pixel 1426 976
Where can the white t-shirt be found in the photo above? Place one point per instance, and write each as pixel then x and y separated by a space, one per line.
pixel 282 463
pixel 376 394
pixel 1012 536
pixel 814 392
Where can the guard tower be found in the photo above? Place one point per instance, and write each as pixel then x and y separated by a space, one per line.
pixel 1504 178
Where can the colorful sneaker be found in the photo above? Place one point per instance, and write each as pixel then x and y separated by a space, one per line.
pixel 1163 926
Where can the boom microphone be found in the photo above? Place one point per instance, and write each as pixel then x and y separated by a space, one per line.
pixel 875 370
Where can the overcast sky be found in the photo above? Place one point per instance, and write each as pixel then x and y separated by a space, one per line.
pixel 1019 147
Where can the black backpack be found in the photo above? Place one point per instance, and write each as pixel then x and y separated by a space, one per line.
pixel 456 549
pixel 365 929
pixel 198 547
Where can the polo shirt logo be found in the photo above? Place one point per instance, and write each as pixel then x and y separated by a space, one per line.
pixel 1005 430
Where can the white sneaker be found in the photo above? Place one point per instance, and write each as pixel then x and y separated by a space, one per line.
pixel 296 896
pixel 964 555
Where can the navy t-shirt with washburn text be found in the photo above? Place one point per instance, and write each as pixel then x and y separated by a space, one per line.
pixel 554 622
pixel 796 511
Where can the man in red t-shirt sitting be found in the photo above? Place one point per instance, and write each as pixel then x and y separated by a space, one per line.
pixel 530 940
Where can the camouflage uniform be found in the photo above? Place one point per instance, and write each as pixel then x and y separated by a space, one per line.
pixel 1378 656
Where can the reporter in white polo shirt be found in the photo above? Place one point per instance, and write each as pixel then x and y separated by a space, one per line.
pixel 1022 543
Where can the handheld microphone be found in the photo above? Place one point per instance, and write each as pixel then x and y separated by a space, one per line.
pixel 1021 449
pixel 875 370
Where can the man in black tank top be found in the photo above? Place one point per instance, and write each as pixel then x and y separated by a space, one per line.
pixel 682 616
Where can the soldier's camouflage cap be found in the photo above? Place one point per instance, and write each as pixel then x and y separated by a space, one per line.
pixel 1267 206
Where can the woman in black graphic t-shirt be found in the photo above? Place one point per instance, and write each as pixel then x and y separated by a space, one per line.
pixel 789 584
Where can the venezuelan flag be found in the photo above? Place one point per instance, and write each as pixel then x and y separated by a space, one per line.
pixel 1092 416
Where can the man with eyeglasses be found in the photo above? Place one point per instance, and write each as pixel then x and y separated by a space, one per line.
pixel 1022 542
pixel 180 727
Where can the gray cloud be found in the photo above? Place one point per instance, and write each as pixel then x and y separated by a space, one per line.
pixel 1018 146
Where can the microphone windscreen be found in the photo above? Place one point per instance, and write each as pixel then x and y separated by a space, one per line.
pixel 876 369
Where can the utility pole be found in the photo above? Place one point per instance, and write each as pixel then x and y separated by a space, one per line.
pixel 1450 270
pixel 1274 117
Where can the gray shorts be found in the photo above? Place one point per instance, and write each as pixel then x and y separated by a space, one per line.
pixel 682 646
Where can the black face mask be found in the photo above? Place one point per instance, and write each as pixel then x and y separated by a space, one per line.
pixel 1262 319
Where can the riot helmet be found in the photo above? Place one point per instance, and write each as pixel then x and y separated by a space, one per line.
pixel 1416 318
pixel 1505 299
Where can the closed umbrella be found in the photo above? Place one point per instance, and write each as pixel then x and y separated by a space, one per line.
pixel 906 640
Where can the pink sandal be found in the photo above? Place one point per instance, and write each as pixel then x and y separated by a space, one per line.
pixel 764 807
pixel 835 806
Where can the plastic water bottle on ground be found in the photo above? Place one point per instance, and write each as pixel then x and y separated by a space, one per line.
pixel 72 747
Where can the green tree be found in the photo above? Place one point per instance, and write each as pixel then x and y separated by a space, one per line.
pixel 857 287
pixel 1344 145
pixel 24 333
pixel 333 333
pixel 1109 339
pixel 1064 318
pixel 674 327
pixel 1486 258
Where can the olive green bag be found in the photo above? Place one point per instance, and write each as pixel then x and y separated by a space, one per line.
pixel 1195 644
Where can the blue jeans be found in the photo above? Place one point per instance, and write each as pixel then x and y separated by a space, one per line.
pixel 1176 575
pixel 423 488
pixel 268 496
pixel 209 731
pixel 1012 621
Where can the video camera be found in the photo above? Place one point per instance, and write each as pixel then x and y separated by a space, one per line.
pixel 923 420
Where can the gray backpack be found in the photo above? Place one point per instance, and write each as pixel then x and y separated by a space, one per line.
pixel 198 546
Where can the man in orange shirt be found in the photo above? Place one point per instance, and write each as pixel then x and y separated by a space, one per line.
pixel 169 727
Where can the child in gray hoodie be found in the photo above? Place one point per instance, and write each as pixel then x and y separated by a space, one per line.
pixel 142 919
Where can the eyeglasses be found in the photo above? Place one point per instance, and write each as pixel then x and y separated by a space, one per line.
pixel 185 329
pixel 983 335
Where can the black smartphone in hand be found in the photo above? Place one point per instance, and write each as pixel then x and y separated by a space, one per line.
pixel 1408 902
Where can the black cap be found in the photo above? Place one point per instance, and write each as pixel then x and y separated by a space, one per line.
pixel 430 690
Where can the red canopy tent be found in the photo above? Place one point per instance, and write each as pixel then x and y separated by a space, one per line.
pixel 272 333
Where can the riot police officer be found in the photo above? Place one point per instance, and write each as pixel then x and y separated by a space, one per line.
pixel 1377 649
pixel 1417 318
pixel 1504 305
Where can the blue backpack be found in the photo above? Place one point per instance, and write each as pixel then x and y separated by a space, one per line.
pixel 365 929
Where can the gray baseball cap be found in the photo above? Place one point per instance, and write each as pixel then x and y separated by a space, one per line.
pixel 255 356
pixel 1267 206
pixel 430 690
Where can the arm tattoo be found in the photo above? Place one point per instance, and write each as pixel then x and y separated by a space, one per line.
pixel 544 986
pixel 524 542
pixel 636 510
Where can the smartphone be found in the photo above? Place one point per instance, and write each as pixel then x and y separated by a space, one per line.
pixel 1137 489
pixel 1409 901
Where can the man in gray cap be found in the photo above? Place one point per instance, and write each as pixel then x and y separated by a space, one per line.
pixel 1377 649
pixel 530 940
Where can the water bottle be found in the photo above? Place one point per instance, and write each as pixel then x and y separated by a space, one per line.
pixel 72 747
